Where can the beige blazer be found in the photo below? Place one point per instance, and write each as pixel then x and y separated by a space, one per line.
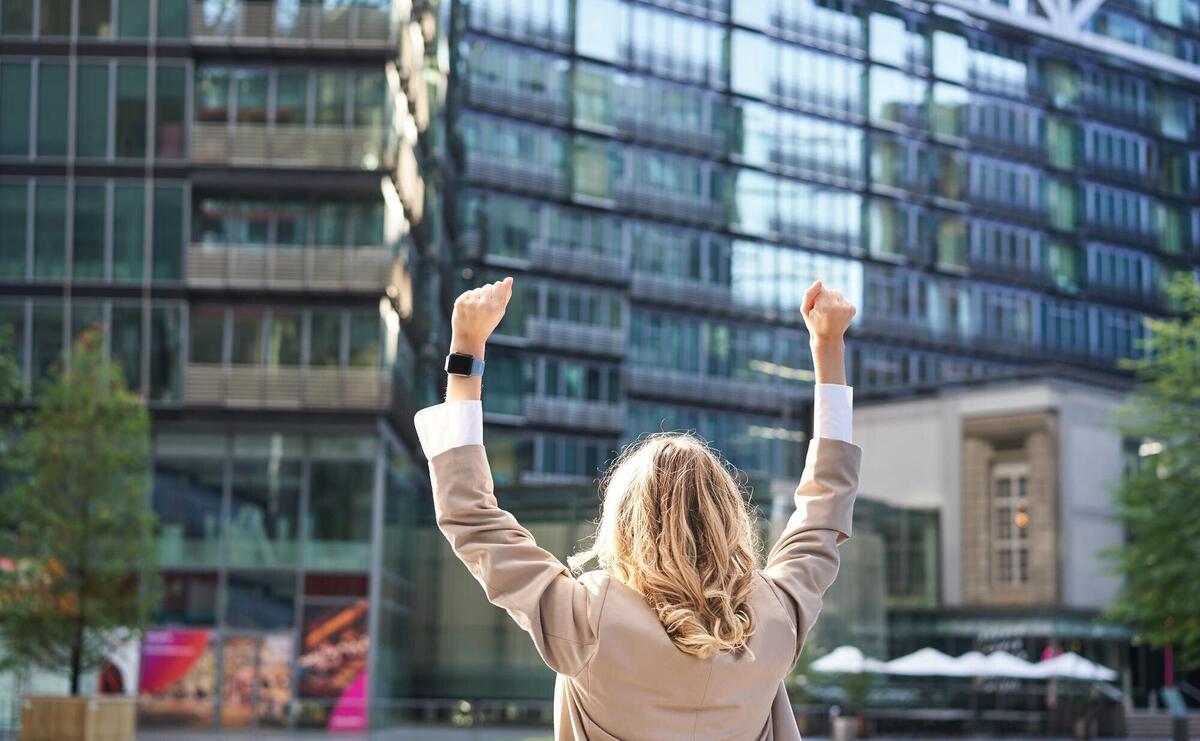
pixel 619 675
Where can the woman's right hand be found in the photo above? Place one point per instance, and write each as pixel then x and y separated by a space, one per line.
pixel 826 313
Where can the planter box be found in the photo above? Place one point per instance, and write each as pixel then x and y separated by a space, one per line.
pixel 78 718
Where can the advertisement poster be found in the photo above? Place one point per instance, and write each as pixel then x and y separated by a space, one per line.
pixel 333 666
pixel 177 677
pixel 274 680
pixel 237 681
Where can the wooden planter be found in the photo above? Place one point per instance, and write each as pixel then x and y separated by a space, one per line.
pixel 105 718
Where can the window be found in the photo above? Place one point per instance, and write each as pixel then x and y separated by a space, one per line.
pixel 128 232
pixel 365 340
pixel 131 110
pixel 1010 523
pixel 264 525
pixel 291 98
pixel 47 340
pixel 95 18
pixel 338 524
pixel 55 18
pixel 189 473
pixel 325 339
pixel 88 245
pixel 49 232
pixel 331 98
pixel 173 19
pixel 166 353
pixel 52 110
pixel 602 29
pixel 133 21
pixel 16 17
pixel 126 342
pixel 91 125
pixel 208 335
pixel 283 342
pixel 247 346
pixel 15 89
pixel 370 99
pixel 260 600
pixel 212 95
pixel 168 232
pixel 251 86
pixel 14 205
pixel 169 126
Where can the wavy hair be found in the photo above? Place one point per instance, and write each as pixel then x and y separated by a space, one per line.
pixel 676 527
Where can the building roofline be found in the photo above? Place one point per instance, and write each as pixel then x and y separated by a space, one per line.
pixel 1058 373
pixel 1068 29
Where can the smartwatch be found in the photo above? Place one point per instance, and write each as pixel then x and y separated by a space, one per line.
pixel 461 364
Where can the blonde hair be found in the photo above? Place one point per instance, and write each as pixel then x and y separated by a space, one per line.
pixel 676 527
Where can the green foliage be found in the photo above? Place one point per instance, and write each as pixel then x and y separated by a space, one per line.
pixel 77 499
pixel 1158 501
pixel 858 689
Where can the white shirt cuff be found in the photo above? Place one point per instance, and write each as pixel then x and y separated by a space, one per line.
pixel 451 424
pixel 833 405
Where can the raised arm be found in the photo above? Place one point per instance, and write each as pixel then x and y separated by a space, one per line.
pixel 804 562
pixel 559 612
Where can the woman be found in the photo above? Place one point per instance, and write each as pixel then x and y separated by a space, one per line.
pixel 678 634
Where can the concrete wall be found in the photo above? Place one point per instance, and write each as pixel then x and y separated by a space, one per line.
pixel 912 457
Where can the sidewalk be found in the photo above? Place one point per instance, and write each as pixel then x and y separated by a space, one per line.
pixel 441 733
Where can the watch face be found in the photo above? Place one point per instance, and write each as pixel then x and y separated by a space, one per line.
pixel 459 364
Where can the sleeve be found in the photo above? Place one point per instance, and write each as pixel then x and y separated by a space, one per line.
pixel 833 406
pixel 449 425
pixel 804 562
pixel 559 612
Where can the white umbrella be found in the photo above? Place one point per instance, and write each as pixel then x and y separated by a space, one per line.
pixel 1004 664
pixel 927 662
pixel 847 660
pixel 1073 666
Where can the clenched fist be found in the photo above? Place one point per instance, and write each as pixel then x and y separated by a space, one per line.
pixel 478 311
pixel 826 313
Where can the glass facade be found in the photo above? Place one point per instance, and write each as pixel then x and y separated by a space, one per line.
pixel 664 179
pixel 218 190
pixel 268 217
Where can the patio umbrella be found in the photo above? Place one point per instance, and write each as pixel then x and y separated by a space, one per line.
pixel 847 660
pixel 1004 664
pixel 927 662
pixel 1073 666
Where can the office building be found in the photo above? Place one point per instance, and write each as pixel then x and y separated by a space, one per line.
pixel 269 204
pixel 228 190
pixel 997 186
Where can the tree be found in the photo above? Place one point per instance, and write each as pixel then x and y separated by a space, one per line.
pixel 76 486
pixel 1158 500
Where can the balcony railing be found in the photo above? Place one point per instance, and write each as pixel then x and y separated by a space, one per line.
pixel 533 177
pixel 319 268
pixel 683 386
pixel 552 106
pixel 693 294
pixel 267 23
pixel 656 202
pixel 599 416
pixel 254 387
pixel 566 335
pixel 289 146
pixel 578 262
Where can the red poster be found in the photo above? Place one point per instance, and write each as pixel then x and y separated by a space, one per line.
pixel 176 679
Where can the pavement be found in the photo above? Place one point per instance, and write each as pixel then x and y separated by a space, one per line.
pixel 442 733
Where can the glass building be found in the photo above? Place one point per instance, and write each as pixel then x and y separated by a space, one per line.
pixel 268 206
pixel 228 190
pixel 996 185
